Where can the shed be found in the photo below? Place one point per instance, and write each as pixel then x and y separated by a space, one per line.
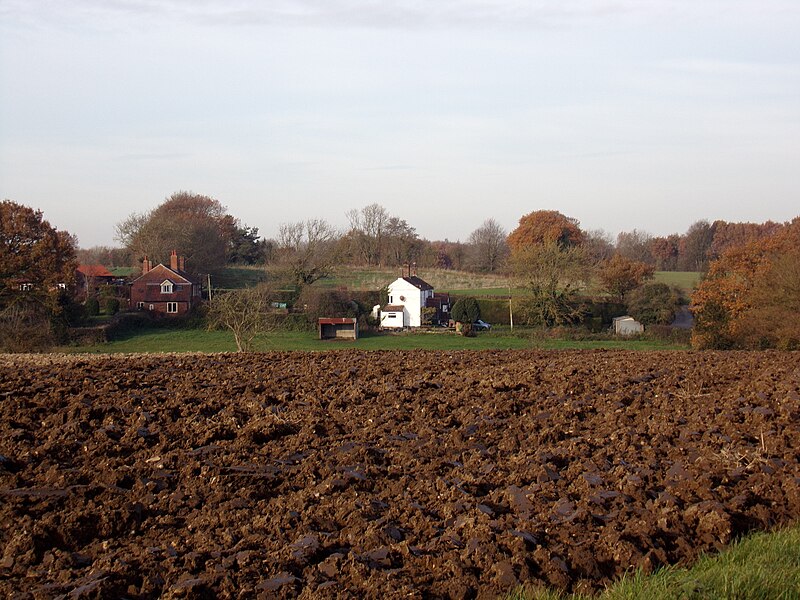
pixel 627 325
pixel 340 329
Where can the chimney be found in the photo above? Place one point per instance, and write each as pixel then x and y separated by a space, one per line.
pixel 405 269
pixel 182 263
pixel 173 261
pixel 145 265
pixel 414 269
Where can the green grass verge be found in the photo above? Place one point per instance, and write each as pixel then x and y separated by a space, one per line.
pixel 759 567
pixel 198 340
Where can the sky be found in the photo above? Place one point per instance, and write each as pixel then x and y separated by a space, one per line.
pixel 623 114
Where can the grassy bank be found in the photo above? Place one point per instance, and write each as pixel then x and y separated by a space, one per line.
pixel 759 567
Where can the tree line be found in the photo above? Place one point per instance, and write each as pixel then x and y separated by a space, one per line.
pixel 547 253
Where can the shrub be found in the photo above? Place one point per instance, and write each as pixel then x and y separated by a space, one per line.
pixel 466 310
pixel 111 306
pixel 92 307
pixel 654 304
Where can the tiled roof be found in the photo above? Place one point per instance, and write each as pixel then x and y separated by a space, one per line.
pixel 94 271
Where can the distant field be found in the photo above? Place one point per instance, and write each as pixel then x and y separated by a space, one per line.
pixel 192 340
pixel 459 283
pixel 237 277
pixel 685 280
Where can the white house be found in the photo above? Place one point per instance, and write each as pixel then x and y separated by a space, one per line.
pixel 407 297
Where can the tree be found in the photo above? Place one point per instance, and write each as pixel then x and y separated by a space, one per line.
pixel 37 271
pixel 695 246
pixel 402 242
pixel 599 245
pixel 749 294
pixel 664 251
pixel 245 312
pixel 488 246
pixel 198 226
pixel 367 232
pixel 553 275
pixel 546 227
pixel 635 245
pixel 306 250
pixel 620 275
pixel 245 246
pixel 654 304
pixel 465 312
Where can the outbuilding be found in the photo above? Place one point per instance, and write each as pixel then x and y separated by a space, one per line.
pixel 627 325
pixel 338 329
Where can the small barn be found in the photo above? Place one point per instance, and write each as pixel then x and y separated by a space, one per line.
pixel 627 325
pixel 338 329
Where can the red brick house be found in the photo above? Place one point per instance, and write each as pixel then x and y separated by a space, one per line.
pixel 166 290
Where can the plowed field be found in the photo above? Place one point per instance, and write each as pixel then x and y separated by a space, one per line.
pixel 384 474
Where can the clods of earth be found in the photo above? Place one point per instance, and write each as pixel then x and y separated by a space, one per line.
pixel 384 474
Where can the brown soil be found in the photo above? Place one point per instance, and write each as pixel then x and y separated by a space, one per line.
pixel 384 474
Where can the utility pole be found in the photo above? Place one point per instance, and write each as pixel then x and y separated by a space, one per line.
pixel 510 310
pixel 209 288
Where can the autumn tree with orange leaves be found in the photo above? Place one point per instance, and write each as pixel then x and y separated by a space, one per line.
pixel 546 227
pixel 620 275
pixel 751 296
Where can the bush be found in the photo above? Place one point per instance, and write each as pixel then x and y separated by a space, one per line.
pixel 494 310
pixel 466 310
pixel 111 306
pixel 25 327
pixel 654 304
pixel 92 307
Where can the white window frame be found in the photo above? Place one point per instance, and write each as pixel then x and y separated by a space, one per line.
pixel 174 306
pixel 140 305
pixel 167 287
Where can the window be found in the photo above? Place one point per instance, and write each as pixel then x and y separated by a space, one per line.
pixel 390 300
pixel 172 307
pixel 62 286
pixel 25 287
pixel 166 287
pixel 140 305
pixel 391 316
pixel 152 307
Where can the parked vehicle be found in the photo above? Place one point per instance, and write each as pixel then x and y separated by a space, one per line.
pixel 482 325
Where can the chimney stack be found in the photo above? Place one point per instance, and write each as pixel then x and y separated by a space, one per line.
pixel 182 262
pixel 145 265
pixel 405 269
pixel 414 269
pixel 173 260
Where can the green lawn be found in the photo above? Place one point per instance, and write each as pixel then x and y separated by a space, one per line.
pixel 763 566
pixel 198 340
pixel 685 280
pixel 237 277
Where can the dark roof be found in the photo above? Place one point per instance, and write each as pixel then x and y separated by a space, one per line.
pixel 418 283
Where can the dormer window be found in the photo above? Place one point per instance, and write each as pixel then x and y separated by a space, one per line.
pixel 166 287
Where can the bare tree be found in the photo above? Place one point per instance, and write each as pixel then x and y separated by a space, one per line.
pixel 245 312
pixel 368 228
pixel 306 250
pixel 488 246
pixel 635 245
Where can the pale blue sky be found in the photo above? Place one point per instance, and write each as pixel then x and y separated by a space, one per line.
pixel 623 114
